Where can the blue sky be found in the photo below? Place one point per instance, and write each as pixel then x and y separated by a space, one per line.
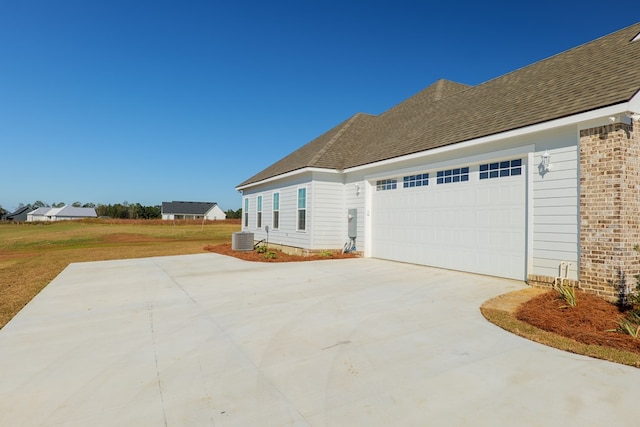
pixel 150 101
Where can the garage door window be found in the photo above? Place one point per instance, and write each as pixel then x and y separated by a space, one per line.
pixel 453 175
pixel 500 169
pixel 386 184
pixel 419 180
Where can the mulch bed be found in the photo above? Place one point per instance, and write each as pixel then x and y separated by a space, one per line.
pixel 280 256
pixel 589 322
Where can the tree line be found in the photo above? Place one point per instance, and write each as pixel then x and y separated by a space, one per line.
pixel 124 210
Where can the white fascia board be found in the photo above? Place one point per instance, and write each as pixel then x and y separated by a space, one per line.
pixel 570 120
pixel 287 175
pixel 634 104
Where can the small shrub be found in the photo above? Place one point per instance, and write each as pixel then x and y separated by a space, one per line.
pixel 630 325
pixel 261 249
pixel 568 294
pixel 270 255
pixel 326 254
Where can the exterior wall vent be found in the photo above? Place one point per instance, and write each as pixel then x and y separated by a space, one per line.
pixel 242 241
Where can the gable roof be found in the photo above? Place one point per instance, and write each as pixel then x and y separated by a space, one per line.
pixel 22 210
pixel 40 211
pixel 72 211
pixel 66 211
pixel 594 75
pixel 188 208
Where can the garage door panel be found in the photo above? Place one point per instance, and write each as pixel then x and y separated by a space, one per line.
pixel 476 226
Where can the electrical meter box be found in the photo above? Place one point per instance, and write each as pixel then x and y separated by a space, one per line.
pixel 353 223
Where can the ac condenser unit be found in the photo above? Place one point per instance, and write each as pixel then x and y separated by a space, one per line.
pixel 242 241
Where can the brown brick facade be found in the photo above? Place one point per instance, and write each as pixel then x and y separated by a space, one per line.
pixel 609 208
pixel 549 282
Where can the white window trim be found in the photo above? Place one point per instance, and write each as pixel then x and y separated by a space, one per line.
pixel 245 213
pixel 298 209
pixel 259 211
pixel 274 210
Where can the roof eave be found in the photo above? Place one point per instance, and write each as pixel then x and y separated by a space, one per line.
pixel 562 121
pixel 285 176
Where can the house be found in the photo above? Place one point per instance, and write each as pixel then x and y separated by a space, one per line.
pixel 64 213
pixel 192 210
pixel 38 214
pixel 534 175
pixel 19 214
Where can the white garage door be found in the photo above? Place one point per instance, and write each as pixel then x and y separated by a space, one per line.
pixel 464 223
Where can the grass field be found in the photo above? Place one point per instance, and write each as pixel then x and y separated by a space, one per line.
pixel 31 255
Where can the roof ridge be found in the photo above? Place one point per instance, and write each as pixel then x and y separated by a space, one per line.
pixel 438 95
pixel 557 54
pixel 333 140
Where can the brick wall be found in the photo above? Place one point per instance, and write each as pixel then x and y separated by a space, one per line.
pixel 609 208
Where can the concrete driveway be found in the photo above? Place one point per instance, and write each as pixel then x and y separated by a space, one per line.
pixel 205 340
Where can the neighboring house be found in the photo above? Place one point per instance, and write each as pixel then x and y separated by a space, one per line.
pixel 192 210
pixel 533 175
pixel 19 214
pixel 38 214
pixel 60 214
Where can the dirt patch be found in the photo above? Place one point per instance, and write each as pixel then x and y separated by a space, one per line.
pixel 591 321
pixel 225 249
pixel 511 301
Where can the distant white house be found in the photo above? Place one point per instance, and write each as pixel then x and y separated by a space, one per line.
pixel 60 214
pixel 192 210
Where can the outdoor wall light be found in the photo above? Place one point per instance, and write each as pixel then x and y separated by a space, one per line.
pixel 357 189
pixel 633 116
pixel 546 159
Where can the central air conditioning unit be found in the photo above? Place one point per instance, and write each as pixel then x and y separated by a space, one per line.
pixel 242 241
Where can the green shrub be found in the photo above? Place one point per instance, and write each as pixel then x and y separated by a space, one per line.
pixel 261 249
pixel 270 255
pixel 568 294
pixel 630 325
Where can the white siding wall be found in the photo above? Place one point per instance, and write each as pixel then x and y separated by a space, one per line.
pixel 326 226
pixel 329 222
pixel 555 199
pixel 287 233
pixel 355 198
pixel 216 214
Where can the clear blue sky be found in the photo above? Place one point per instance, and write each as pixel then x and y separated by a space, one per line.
pixel 107 101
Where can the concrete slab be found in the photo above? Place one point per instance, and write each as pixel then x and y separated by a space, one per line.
pixel 208 340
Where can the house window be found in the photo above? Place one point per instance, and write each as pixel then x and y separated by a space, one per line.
pixel 276 211
pixel 419 180
pixel 386 184
pixel 500 169
pixel 246 212
pixel 302 209
pixel 259 212
pixel 453 175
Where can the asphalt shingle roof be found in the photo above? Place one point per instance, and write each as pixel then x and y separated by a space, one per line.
pixel 597 74
pixel 187 208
